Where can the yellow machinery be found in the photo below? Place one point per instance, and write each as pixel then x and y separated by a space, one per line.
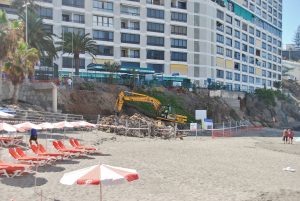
pixel 163 112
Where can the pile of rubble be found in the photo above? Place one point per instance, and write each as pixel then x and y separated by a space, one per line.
pixel 136 125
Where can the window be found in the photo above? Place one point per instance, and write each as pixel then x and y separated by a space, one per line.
pixel 180 17
pixel 220 73
pixel 251 50
pixel 251 80
pixel 220 38
pixel 103 35
pixel 251 40
pixel 179 43
pixel 133 25
pixel 130 38
pixel 102 21
pixel 220 26
pixel 130 64
pixel 237 23
pixel 73 30
pixel 78 18
pixel 229 42
pixel 73 3
pixel 237 55
pixel 220 15
pixel 237 34
pixel 251 60
pixel 155 41
pixel 228 75
pixel 244 37
pixel 178 56
pixel 155 54
pixel 237 77
pixel 237 66
pixel 244 68
pixel 258 33
pixel 229 19
pixel 244 78
pixel 154 13
pixel 251 69
pixel 155 27
pixel 105 50
pixel 130 10
pixel 179 30
pixel 103 5
pixel 244 47
pixel 244 58
pixel 229 30
pixel 229 53
pixel 237 45
pixel 158 68
pixel 46 13
pixel 131 53
pixel 220 50
pixel 70 63
pixel 251 30
pixel 48 28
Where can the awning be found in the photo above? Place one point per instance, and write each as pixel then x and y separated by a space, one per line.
pixel 123 69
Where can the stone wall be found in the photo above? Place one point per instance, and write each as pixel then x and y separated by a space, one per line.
pixel 41 94
pixel 227 94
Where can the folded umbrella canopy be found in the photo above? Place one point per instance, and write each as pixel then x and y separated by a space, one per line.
pixel 100 175
pixel 62 124
pixel 46 126
pixel 26 126
pixel 7 127
pixel 84 124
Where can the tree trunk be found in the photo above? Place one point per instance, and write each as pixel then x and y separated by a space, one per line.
pixel 77 64
pixel 15 94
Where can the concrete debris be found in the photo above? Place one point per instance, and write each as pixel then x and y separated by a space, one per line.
pixel 136 125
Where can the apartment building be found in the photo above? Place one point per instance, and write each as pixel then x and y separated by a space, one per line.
pixel 234 42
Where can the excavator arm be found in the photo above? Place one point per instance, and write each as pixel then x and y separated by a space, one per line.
pixel 136 97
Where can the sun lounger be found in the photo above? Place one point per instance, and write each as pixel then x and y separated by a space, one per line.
pixel 29 159
pixel 37 151
pixel 75 143
pixel 10 141
pixel 13 170
pixel 64 150
pixel 22 154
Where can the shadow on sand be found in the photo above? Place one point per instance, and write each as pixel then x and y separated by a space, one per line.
pixel 24 181
pixel 67 162
pixel 99 154
pixel 50 169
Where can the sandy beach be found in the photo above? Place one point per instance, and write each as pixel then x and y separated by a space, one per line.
pixel 193 169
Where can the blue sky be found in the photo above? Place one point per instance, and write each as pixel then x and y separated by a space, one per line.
pixel 291 19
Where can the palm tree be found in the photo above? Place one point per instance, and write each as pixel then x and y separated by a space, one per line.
pixel 112 68
pixel 19 5
pixel 76 44
pixel 39 37
pixel 19 64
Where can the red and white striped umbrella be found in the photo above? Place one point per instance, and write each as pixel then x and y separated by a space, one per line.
pixel 84 124
pixel 62 124
pixel 100 175
pixel 46 126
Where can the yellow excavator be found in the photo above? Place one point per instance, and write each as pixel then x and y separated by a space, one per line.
pixel 164 113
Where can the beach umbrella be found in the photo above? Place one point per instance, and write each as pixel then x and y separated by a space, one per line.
pixel 5 115
pixel 100 175
pixel 46 126
pixel 7 127
pixel 84 124
pixel 62 124
pixel 26 126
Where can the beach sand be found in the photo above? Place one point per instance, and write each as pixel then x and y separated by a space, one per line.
pixel 193 169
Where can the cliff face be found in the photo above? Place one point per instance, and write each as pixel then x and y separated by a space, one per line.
pixel 282 112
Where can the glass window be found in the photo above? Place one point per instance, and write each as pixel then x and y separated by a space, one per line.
pixel 229 42
pixel 158 68
pixel 155 27
pixel 244 68
pixel 237 45
pixel 105 50
pixel 155 54
pixel 251 69
pixel 244 78
pixel 220 15
pixel 220 50
pixel 229 30
pixel 220 73
pixel 244 37
pixel 229 53
pixel 180 17
pixel 220 38
pixel 229 19
pixel 228 75
pixel 102 21
pixel 73 3
pixel 68 62
pixel 155 41
pixel 237 34
pixel 237 77
pixel 130 38
pixel 154 13
pixel 103 5
pixel 178 30
pixel 46 13
pixel 179 43
pixel 103 35
pixel 178 56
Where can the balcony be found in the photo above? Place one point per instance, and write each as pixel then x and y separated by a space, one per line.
pixel 130 53
pixel 132 25
pixel 179 4
pixel 156 2
pixel 76 18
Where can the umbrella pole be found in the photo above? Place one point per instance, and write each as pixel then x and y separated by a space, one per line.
pixel 100 191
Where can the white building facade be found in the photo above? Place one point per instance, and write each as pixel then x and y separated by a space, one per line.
pixel 233 42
